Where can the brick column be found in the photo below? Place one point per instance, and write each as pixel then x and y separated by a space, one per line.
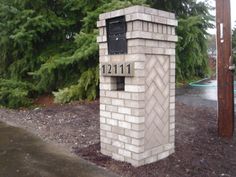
pixel 138 124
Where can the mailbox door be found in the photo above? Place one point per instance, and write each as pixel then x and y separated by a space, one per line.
pixel 116 35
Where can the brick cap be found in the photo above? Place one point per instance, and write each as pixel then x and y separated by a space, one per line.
pixel 149 12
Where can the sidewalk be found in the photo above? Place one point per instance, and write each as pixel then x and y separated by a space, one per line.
pixel 24 155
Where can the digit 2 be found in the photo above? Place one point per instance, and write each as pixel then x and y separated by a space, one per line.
pixel 109 69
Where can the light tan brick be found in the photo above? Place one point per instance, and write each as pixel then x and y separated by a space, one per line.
pixel 133 9
pixel 102 120
pixel 118 116
pixel 105 140
pixel 142 155
pixel 139 65
pixel 117 102
pixel 111 108
pixel 137 142
pixel 133 148
pixel 138 112
pixel 140 81
pixel 129 26
pixel 124 110
pixel 118 130
pixel 112 122
pixel 172 22
pixel 172 139
pixel 105 16
pixel 117 13
pixel 124 153
pixel 111 148
pixel 124 139
pixel 150 27
pixel 102 107
pixel 157 150
pixel 168 146
pixel 103 133
pixel 137 25
pixel 151 159
pixel 172 119
pixel 124 124
pixel 172 106
pixel 111 94
pixel 139 73
pixel 134 134
pixel 105 127
pixel 105 114
pixel 134 119
pixel 138 96
pixel 163 155
pixel 111 135
pixel 118 144
pixel 106 152
pixel 164 14
pixel 172 132
pixel 172 126
pixel 124 95
pixel 134 104
pixel 118 157
pixel 138 127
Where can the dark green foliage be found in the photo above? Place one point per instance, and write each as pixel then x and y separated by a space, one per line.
pixel 14 94
pixel 87 88
pixel 234 44
pixel 52 46
pixel 84 57
pixel 194 20
pixel 192 57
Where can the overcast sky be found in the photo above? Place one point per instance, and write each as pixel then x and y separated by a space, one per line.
pixel 233 13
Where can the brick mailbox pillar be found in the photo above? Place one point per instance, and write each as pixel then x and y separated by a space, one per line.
pixel 137 84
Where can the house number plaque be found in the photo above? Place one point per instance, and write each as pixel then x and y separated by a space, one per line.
pixel 117 69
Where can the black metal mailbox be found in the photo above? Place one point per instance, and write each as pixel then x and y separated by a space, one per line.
pixel 116 35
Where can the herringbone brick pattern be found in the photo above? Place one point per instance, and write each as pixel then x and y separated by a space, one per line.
pixel 157 101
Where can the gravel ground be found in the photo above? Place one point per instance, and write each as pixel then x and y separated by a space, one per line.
pixel 199 152
pixel 73 125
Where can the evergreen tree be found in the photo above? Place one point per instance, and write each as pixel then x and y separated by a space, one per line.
pixel 194 20
pixel 50 46
pixel 234 44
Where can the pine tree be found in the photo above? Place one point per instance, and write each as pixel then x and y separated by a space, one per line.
pixel 50 46
pixel 234 44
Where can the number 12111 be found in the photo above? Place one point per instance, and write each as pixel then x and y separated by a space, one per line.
pixel 117 69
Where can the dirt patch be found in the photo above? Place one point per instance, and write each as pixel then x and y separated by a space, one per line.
pixel 73 125
pixel 199 152
pixel 44 100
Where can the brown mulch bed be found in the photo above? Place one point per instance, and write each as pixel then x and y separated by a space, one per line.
pixel 199 152
pixel 74 125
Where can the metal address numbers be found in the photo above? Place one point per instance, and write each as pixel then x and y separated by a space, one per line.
pixel 117 69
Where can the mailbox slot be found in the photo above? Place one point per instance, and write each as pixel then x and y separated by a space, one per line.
pixel 116 35
pixel 120 83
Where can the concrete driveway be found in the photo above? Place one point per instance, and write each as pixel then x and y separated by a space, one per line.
pixel 24 155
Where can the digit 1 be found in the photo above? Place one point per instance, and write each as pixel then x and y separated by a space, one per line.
pixel 122 68
pixel 115 66
pixel 128 66
pixel 103 69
